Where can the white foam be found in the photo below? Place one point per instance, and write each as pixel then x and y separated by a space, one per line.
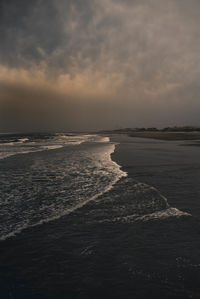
pixel 51 147
pixel 22 140
pixel 163 214
pixel 23 146
pixel 106 157
pixel 158 215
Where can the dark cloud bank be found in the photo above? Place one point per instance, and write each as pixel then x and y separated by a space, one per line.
pixel 77 65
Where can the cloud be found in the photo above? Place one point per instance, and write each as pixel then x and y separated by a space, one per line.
pixel 92 60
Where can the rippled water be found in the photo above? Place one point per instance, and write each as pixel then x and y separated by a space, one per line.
pixel 119 237
pixel 44 177
pixel 45 184
pixel 13 144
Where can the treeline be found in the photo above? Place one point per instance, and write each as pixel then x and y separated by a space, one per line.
pixel 170 129
pixel 167 129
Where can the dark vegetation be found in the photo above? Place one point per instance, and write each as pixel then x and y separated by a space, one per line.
pixel 168 133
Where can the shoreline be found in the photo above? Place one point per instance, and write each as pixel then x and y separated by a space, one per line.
pixel 169 136
pixel 80 256
pixel 171 167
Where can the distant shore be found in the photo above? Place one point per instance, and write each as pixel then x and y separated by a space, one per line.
pixel 174 133
pixel 168 135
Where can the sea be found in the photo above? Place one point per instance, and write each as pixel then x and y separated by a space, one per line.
pixel 75 224
pixel 49 184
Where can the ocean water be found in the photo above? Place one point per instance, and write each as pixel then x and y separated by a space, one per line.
pixel 48 184
pixel 74 224
pixel 47 176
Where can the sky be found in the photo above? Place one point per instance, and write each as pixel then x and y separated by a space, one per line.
pixel 99 64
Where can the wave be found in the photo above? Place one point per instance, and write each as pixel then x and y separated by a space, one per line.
pixel 163 214
pixel 80 176
pixel 131 201
pixel 22 140
pixel 103 171
pixel 38 143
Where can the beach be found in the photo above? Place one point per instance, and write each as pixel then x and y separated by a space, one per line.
pixel 139 239
pixel 99 149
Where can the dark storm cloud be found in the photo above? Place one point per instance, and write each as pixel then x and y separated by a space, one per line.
pixel 26 26
pixel 122 30
pixel 32 31
pixel 100 63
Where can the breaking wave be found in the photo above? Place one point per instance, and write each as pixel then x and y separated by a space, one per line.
pixel 131 201
pixel 44 188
